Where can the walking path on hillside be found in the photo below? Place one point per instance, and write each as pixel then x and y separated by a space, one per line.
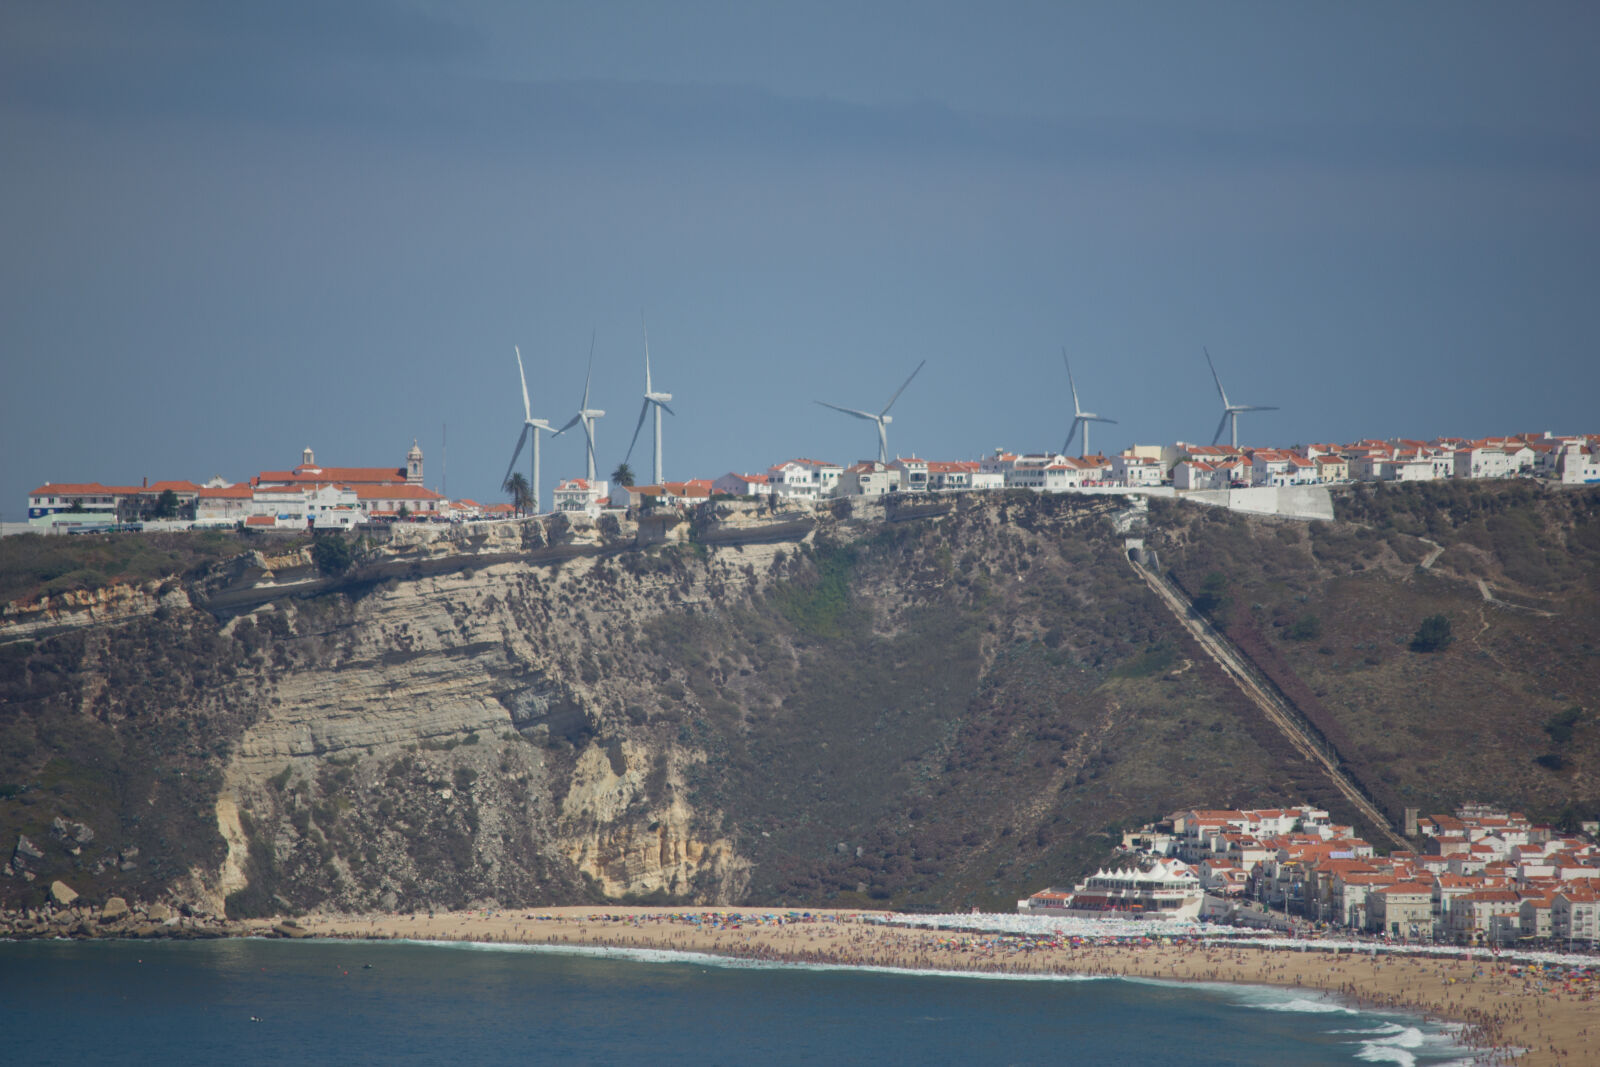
pixel 1278 710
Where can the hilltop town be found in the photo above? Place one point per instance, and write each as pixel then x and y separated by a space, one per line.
pixel 325 497
pixel 1483 876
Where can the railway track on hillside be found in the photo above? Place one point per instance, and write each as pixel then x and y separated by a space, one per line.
pixel 1265 696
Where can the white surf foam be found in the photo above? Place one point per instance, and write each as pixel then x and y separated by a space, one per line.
pixel 707 959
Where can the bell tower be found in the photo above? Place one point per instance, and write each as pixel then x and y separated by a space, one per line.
pixel 414 464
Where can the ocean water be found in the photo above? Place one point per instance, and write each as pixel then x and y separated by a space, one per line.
pixel 276 1002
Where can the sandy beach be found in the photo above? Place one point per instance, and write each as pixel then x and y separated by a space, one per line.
pixel 1503 1005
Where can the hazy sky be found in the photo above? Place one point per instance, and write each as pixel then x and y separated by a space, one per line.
pixel 235 230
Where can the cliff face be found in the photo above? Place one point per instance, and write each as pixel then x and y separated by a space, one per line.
pixel 935 707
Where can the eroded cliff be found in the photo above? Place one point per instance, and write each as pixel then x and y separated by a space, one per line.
pixel 933 707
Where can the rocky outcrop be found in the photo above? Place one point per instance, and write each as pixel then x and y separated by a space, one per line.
pixel 83 608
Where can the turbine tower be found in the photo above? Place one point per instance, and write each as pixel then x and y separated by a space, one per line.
pixel 1230 412
pixel 1080 417
pixel 529 424
pixel 651 398
pixel 586 414
pixel 882 418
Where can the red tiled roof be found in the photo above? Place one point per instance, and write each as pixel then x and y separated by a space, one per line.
pixel 367 475
pixel 394 492
pixel 73 489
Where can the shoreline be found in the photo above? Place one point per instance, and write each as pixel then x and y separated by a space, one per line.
pixel 1501 1006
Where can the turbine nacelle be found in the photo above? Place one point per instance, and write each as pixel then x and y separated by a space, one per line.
pixel 1080 417
pixel 882 418
pixel 1230 412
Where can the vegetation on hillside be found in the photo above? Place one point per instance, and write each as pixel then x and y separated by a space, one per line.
pixel 927 714
pixel 34 565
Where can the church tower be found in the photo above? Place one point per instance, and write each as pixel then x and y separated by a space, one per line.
pixel 414 464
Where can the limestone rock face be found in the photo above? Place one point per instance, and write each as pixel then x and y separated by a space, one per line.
pixel 115 908
pixel 455 737
pixel 665 854
pixel 62 893
pixel 79 608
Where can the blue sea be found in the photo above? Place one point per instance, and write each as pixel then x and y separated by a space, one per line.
pixel 343 1002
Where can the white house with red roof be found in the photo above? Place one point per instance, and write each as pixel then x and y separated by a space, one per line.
pixel 89 501
pixel 1280 467
pixel 1137 468
pixel 954 476
pixel 1492 459
pixel 1191 474
pixel 1575 915
pixel 868 478
pixel 913 473
pixel 735 484
pixel 581 496
pixel 1578 463
pixel 1404 909
pixel 804 479
pixel 309 472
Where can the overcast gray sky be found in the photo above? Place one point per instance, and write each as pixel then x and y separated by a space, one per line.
pixel 235 230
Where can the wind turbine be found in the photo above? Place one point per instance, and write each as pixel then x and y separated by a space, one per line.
pixel 882 418
pixel 659 400
pixel 1229 411
pixel 529 423
pixel 586 414
pixel 1080 417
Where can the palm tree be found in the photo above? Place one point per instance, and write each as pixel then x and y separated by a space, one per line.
pixel 521 496
pixel 623 475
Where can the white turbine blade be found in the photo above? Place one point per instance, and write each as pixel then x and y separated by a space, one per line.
pixel 1214 377
pixel 514 455
pixel 1076 408
pixel 587 377
pixel 664 407
pixel 1098 418
pixel 570 424
pixel 1218 435
pixel 902 389
pixel 1071 433
pixel 644 410
pixel 527 408
pixel 1253 407
pixel 646 355
pixel 849 411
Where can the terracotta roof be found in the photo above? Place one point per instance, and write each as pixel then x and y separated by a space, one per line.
pixel 394 492
pixel 242 491
pixel 74 489
pixel 369 475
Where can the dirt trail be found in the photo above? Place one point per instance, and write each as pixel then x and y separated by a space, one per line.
pixel 1273 705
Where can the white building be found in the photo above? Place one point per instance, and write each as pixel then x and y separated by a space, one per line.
pixel 1575 915
pixel 804 479
pixel 579 495
pixel 1492 461
pixel 1197 474
pixel 914 475
pixel 953 476
pixel 1577 463
pixel 869 478
pixel 743 484
pixel 1137 467
pixel 1271 466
